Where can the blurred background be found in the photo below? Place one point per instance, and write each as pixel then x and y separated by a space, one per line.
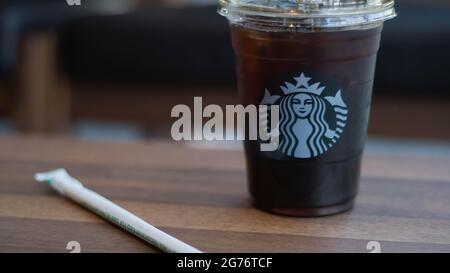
pixel 113 69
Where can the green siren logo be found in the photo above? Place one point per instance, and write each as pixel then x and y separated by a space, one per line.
pixel 306 127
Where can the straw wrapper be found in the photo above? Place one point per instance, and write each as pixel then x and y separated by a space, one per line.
pixel 70 187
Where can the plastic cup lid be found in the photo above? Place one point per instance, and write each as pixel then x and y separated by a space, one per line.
pixel 307 13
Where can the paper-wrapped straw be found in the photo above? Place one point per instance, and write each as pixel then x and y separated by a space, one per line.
pixel 70 187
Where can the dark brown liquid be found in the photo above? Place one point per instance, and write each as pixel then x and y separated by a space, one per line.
pixel 323 184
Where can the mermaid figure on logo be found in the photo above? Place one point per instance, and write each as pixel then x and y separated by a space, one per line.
pixel 303 129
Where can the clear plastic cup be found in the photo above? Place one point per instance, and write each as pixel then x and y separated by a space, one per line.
pixel 316 60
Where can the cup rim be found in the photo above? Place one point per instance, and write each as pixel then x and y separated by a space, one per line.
pixel 297 18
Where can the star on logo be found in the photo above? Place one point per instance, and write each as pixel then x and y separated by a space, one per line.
pixel 302 81
pixel 302 85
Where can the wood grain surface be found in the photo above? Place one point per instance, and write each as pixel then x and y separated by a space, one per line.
pixel 200 196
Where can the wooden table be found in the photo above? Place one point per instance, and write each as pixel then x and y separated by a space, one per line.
pixel 200 197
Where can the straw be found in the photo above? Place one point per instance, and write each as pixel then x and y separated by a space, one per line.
pixel 70 187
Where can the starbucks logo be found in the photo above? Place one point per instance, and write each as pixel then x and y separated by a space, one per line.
pixel 310 123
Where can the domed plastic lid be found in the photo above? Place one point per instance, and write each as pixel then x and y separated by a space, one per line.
pixel 307 13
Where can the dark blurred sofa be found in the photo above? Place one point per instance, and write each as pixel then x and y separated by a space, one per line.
pixel 191 45
pixel 414 56
pixel 180 46
pixel 19 17
pixel 27 30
